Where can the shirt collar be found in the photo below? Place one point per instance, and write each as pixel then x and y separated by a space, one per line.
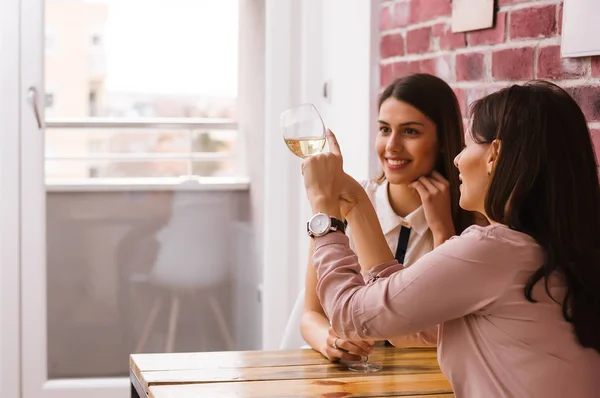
pixel 390 220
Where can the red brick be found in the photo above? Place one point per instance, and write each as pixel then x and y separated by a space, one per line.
pixel 493 35
pixel 588 98
pixel 427 66
pixel 400 69
pixel 413 67
pixel 552 66
pixel 418 40
pixel 385 18
pixel 401 14
pixel 425 10
pixel 473 94
pixel 595 66
pixel 447 39
pixel 533 22
pixel 390 72
pixel 595 133
pixel 493 89
pixel 440 66
pixel 462 100
pixel 513 64
pixel 559 20
pixel 385 75
pixel 392 45
pixel 508 2
pixel 470 66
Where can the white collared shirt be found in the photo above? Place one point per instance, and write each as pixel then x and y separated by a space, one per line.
pixel 420 241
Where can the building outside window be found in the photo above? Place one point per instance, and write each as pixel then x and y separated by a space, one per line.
pixel 119 66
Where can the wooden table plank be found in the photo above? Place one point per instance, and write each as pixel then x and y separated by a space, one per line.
pixel 327 371
pixel 394 361
pixel 248 359
pixel 224 359
pixel 406 372
pixel 417 396
pixel 371 385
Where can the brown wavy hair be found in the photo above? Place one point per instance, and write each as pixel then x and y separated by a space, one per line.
pixel 436 100
pixel 545 184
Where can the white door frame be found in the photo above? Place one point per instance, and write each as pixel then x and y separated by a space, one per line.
pixel 27 181
pixel 282 89
pixel 10 361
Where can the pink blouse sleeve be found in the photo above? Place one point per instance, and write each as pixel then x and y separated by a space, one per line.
pixel 450 282
pixel 425 338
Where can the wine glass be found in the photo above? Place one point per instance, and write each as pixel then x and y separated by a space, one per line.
pixel 364 366
pixel 303 130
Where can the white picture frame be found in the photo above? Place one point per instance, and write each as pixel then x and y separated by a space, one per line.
pixel 580 28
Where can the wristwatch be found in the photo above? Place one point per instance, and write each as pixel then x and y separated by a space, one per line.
pixel 321 224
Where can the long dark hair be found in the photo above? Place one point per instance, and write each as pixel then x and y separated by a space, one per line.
pixel 545 184
pixel 436 100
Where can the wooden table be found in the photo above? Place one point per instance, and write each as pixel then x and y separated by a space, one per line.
pixel 293 374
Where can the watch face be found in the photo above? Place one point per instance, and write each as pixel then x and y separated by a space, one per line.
pixel 319 223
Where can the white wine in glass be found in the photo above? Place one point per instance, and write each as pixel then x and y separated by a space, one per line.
pixel 303 130
pixel 304 147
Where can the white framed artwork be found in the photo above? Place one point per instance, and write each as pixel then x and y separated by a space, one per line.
pixel 470 15
pixel 580 28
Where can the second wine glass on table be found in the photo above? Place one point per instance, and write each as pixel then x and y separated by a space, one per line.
pixel 364 366
pixel 303 130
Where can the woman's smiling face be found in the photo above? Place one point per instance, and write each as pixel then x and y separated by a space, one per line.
pixel 407 143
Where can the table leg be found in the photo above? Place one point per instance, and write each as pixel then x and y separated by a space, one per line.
pixel 134 393
pixel 137 391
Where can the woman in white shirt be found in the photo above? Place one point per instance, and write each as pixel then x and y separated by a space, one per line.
pixel 416 197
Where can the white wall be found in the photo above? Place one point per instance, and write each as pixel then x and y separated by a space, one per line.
pixel 350 65
pixel 309 42
pixel 251 120
pixel 280 251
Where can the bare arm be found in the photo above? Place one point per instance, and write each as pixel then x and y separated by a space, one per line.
pixel 368 238
pixel 314 323
pixel 434 191
pixel 315 327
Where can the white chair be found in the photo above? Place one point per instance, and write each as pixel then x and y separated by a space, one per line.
pixel 292 337
pixel 192 259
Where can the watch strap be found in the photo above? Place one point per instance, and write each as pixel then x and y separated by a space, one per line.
pixel 339 225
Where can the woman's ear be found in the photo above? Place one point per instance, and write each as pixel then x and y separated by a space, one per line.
pixel 493 155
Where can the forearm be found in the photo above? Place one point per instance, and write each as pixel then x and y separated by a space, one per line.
pixel 441 236
pixel 371 246
pixel 386 307
pixel 314 328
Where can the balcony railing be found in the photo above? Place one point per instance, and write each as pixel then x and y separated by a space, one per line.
pixel 149 123
pixel 78 150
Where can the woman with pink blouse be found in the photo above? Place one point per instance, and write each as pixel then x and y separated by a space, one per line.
pixel 518 302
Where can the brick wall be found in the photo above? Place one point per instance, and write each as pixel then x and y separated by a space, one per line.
pixel 523 44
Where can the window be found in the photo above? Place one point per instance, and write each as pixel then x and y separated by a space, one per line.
pixel 138 101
